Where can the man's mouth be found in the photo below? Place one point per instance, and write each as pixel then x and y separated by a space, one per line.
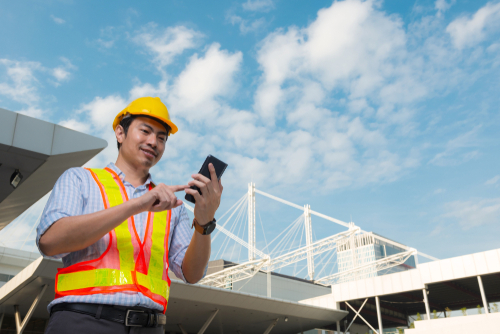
pixel 149 153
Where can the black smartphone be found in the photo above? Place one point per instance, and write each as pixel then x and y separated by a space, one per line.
pixel 219 166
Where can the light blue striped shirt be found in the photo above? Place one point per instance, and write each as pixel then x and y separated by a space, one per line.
pixel 76 193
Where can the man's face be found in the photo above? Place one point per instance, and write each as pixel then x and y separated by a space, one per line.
pixel 144 144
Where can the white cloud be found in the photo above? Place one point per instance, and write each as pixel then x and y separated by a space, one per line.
pixel 102 111
pixel 166 44
pixel 350 47
pixel 442 6
pixel 247 26
pixel 60 73
pixel 20 83
pixel 73 124
pixel 468 31
pixel 63 72
pixel 202 81
pixel 57 19
pixel 458 150
pixel 258 5
pixel 31 111
pixel 493 180
pixel 108 37
pixel 474 213
pixel 96 118
pixel 353 50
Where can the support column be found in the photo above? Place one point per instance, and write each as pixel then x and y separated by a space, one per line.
pixel 271 326
pixel 21 325
pixel 483 295
pixel 308 228
pixel 338 327
pixel 426 301
pixel 1 320
pixel 269 284
pixel 208 322
pixel 251 221
pixel 17 319
pixel 379 316
pixel 183 331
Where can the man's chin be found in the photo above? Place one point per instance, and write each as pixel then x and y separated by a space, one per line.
pixel 149 163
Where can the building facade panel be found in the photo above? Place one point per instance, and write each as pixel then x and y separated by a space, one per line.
pixel 458 267
pixel 480 262
pixel 362 287
pixel 370 287
pixel 406 280
pixel 396 282
pixel 447 270
pixel 469 265
pixel 379 285
pixel 353 291
pixel 425 273
pixel 7 127
pixel 493 260
pixel 435 271
pixel 33 135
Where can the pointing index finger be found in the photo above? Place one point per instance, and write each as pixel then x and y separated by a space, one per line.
pixel 178 188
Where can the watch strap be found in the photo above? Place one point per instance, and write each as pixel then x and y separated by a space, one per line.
pixel 201 229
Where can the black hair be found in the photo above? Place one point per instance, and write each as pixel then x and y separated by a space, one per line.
pixel 126 121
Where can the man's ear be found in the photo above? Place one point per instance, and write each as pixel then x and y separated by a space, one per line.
pixel 120 134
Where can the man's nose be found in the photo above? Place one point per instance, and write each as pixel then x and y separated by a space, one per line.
pixel 152 140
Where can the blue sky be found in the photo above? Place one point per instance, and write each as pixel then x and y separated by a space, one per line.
pixel 383 111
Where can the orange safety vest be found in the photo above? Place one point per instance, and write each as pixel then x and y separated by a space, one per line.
pixel 127 265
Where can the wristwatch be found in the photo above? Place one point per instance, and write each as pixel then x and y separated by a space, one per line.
pixel 205 229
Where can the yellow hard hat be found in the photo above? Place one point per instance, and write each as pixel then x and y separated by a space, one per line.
pixel 147 106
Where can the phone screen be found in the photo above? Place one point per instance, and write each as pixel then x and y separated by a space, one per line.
pixel 219 166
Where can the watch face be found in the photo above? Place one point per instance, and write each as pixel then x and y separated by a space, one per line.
pixel 209 229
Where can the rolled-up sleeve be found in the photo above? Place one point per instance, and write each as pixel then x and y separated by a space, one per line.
pixel 181 237
pixel 65 200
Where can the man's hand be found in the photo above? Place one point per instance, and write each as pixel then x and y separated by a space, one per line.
pixel 160 198
pixel 208 202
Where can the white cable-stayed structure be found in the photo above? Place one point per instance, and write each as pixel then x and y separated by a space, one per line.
pixel 345 256
pixel 361 254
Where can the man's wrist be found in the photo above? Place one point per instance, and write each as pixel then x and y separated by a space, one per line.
pixel 196 221
pixel 132 207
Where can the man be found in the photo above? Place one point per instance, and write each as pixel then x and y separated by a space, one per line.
pixel 118 233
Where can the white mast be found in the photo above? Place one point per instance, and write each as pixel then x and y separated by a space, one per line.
pixel 308 228
pixel 251 221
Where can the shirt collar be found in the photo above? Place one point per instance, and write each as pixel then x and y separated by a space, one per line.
pixel 121 174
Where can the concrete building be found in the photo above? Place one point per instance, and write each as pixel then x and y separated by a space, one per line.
pixel 33 154
pixel 276 286
pixel 445 286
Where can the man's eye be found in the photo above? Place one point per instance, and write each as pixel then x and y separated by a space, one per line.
pixel 145 131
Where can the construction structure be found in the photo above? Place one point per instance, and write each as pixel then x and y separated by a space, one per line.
pixel 357 253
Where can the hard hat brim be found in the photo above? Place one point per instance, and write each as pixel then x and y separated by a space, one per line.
pixel 119 117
